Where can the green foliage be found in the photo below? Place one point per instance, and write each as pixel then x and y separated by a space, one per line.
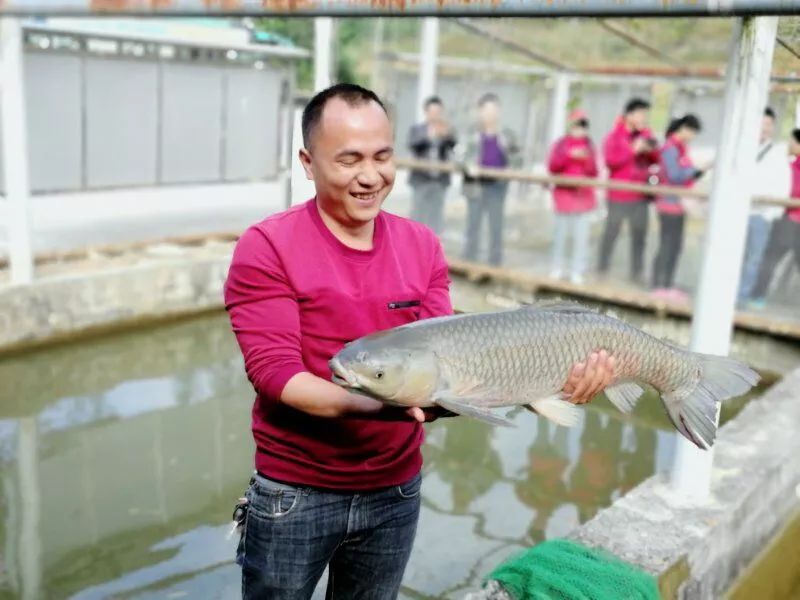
pixel 351 35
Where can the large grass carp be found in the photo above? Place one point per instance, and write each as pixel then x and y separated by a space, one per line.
pixel 469 364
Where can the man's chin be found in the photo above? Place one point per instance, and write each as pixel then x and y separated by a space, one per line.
pixel 364 211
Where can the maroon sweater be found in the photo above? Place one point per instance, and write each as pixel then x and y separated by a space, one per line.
pixel 295 295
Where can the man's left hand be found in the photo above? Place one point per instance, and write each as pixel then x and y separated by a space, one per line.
pixel 587 379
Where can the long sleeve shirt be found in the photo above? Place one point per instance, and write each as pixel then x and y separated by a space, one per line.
pixel 295 295
pixel 677 169
pixel 624 164
pixel 561 162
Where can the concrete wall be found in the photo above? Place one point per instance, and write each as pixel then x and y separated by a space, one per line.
pixel 60 307
pixel 697 551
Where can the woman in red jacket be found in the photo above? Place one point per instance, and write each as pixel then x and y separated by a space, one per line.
pixel 677 169
pixel 573 156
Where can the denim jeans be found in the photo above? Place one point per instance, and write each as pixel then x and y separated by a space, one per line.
pixel 485 198
pixel 576 225
pixel 636 214
pixel 428 204
pixel 669 250
pixel 292 533
pixel 784 238
pixel 757 235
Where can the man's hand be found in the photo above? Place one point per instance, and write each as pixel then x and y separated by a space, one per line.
pixel 426 415
pixel 589 378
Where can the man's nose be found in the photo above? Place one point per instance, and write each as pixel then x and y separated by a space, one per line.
pixel 369 175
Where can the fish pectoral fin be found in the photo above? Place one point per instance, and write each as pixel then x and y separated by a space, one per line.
pixel 558 410
pixel 624 395
pixel 468 410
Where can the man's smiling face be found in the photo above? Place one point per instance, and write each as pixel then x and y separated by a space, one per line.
pixel 350 158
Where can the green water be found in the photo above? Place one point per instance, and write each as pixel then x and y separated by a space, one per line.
pixel 121 457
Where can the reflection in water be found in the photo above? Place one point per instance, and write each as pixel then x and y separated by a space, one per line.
pixel 120 459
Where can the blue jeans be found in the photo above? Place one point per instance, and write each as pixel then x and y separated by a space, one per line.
pixel 292 533
pixel 576 225
pixel 757 235
pixel 485 198
pixel 428 204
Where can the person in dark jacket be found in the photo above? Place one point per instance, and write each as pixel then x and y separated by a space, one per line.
pixel 573 156
pixel 432 140
pixel 677 170
pixel 630 150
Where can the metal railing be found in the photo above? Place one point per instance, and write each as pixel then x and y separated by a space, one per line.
pixel 560 180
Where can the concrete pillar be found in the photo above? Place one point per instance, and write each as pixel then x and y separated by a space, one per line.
pixel 323 53
pixel 729 205
pixel 15 150
pixel 558 116
pixel 428 54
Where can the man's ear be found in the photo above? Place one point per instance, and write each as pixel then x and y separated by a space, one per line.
pixel 305 160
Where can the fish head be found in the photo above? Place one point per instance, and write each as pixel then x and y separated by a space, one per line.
pixel 396 374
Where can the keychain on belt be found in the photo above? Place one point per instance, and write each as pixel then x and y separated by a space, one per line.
pixel 239 514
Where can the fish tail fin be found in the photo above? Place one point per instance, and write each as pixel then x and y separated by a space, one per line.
pixel 558 410
pixel 694 411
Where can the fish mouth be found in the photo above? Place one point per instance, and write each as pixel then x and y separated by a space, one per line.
pixel 340 375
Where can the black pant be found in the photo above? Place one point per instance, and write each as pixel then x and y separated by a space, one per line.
pixel 669 249
pixel 636 215
pixel 783 237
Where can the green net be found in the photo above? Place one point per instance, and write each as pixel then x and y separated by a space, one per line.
pixel 566 570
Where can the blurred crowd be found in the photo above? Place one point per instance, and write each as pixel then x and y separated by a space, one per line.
pixel 630 153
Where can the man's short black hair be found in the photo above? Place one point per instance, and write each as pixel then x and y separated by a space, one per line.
pixel 796 135
pixel 352 94
pixel 768 112
pixel 486 98
pixel 635 104
pixel 432 100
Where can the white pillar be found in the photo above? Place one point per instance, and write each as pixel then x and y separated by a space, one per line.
pixel 15 150
pixel 428 54
pixel 558 118
pixel 745 96
pixel 323 53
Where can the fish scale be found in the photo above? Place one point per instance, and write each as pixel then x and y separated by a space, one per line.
pixel 470 363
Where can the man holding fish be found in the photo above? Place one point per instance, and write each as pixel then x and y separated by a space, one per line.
pixel 338 473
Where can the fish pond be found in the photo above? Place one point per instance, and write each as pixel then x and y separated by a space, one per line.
pixel 121 458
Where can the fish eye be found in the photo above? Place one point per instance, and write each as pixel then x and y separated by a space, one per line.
pixel 378 374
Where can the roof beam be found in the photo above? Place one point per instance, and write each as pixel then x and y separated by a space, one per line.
pixel 374 8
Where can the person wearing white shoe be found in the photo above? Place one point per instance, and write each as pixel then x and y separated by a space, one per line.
pixel 573 156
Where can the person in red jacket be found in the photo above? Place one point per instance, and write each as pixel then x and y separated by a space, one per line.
pixel 677 170
pixel 630 151
pixel 337 480
pixel 574 156
pixel 784 237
